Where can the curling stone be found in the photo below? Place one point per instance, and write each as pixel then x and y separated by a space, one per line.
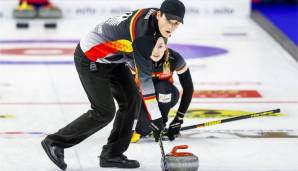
pixel 24 10
pixel 178 161
pixel 50 11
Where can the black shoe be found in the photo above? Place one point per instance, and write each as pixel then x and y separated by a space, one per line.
pixel 55 153
pixel 118 161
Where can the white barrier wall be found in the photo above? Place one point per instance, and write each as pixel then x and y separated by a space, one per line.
pixel 99 9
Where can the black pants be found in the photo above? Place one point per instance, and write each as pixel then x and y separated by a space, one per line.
pixel 163 88
pixel 108 81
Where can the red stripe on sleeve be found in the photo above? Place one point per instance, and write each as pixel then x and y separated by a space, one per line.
pixel 134 24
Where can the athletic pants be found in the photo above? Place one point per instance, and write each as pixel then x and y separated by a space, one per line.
pixel 101 84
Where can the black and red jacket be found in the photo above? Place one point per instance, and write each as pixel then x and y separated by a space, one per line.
pixel 123 39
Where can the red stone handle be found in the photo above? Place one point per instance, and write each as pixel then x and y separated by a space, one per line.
pixel 180 154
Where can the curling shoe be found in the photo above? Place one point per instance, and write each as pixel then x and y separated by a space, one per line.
pixel 55 153
pixel 119 161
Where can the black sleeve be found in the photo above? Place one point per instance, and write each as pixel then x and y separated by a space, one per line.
pixel 187 86
pixel 179 62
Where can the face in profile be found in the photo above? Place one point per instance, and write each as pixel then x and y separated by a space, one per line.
pixel 166 27
pixel 158 50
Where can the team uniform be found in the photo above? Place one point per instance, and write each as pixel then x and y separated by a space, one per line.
pixel 166 92
pixel 100 59
pixel 114 42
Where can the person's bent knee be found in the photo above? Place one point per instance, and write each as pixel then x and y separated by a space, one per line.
pixel 104 115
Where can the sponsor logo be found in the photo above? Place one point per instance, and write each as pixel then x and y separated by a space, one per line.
pixel 86 11
pixel 164 98
pixel 119 11
pixel 224 11
pixel 192 11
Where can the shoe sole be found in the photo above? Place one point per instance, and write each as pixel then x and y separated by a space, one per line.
pixel 118 165
pixel 44 146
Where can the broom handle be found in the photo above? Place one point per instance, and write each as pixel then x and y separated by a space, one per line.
pixel 210 123
pixel 163 154
pixel 161 147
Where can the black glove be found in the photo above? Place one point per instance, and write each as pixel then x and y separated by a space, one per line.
pixel 175 126
pixel 157 127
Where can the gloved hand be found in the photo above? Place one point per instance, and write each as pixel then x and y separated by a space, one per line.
pixel 157 127
pixel 175 126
